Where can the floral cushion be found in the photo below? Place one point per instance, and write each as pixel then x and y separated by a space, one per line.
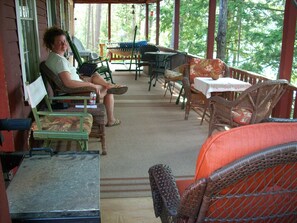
pixel 206 68
pixel 64 124
pixel 242 116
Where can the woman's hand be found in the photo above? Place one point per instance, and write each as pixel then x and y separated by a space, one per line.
pixel 96 88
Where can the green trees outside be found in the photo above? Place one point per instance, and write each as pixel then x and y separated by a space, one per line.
pixel 253 36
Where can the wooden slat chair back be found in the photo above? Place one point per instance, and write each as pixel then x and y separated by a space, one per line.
pixel 250 107
pixel 246 174
pixel 86 54
pixel 102 65
pixel 49 125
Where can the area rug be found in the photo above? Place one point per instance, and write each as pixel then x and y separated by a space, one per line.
pixel 152 131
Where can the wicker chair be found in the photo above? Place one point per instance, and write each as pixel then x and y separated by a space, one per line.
pixel 201 68
pixel 251 106
pixel 240 177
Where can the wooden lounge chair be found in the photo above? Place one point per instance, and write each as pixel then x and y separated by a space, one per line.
pixel 246 174
pixel 102 65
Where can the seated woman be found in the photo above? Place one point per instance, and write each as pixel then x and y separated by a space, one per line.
pixel 55 40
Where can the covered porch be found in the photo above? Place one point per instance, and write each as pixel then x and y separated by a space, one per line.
pixel 11 90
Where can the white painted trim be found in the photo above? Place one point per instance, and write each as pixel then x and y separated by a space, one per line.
pixel 36 32
pixel 49 13
pixel 20 37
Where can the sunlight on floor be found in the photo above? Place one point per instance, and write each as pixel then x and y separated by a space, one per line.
pixel 128 210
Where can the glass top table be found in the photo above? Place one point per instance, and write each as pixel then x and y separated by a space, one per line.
pixel 159 64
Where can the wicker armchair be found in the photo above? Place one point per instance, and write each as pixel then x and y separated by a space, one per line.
pixel 238 179
pixel 250 107
pixel 201 68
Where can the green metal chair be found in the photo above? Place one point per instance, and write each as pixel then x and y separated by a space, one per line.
pixel 102 69
pixel 49 125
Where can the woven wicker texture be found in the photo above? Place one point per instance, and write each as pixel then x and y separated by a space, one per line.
pixel 257 188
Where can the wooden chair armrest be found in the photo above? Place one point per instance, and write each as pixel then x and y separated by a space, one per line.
pixel 70 98
pixel 63 114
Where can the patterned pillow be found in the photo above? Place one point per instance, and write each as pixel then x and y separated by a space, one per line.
pixel 64 124
pixel 242 116
pixel 205 68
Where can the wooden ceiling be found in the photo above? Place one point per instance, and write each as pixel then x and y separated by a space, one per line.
pixel 115 1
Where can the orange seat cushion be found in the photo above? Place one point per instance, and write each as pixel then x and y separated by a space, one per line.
pixel 224 147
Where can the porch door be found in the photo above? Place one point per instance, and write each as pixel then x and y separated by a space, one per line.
pixel 28 39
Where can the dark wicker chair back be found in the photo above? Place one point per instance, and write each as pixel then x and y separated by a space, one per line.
pixel 148 48
pixel 254 105
pixel 57 85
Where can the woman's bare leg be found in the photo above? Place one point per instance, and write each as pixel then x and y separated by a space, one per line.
pixel 108 99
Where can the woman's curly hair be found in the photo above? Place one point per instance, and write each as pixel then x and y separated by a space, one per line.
pixel 50 35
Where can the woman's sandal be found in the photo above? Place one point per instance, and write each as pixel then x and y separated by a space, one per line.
pixel 116 122
pixel 117 89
